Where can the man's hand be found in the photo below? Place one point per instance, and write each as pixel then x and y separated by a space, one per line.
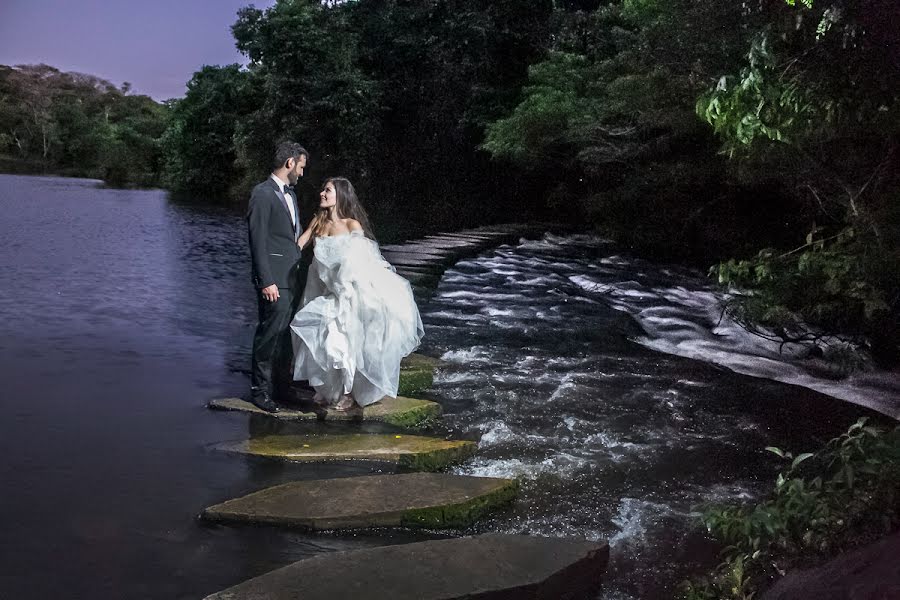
pixel 270 293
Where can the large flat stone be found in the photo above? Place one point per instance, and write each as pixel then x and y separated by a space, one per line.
pixel 486 567
pixel 400 411
pixel 429 500
pixel 416 453
pixel 417 259
pixel 420 248
pixel 417 374
pixel 425 279
pixel 420 361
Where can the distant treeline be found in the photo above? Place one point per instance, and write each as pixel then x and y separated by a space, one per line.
pixel 78 125
pixel 684 128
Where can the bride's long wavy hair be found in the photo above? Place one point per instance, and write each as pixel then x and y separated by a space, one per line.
pixel 347 206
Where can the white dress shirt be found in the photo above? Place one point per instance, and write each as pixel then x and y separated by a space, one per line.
pixel 287 198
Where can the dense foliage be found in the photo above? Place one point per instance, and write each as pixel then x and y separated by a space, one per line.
pixel 816 108
pixel 823 501
pixel 79 125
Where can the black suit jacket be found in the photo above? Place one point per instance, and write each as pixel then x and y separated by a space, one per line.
pixel 273 238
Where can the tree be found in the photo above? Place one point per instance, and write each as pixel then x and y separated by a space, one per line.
pixel 199 144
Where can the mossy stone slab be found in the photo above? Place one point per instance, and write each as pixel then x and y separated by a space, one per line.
pixel 421 361
pixel 400 411
pixel 416 453
pixel 417 374
pixel 431 500
pixel 486 567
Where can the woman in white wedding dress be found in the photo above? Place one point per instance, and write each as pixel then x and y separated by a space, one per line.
pixel 358 317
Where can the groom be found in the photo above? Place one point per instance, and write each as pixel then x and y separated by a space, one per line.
pixel 274 224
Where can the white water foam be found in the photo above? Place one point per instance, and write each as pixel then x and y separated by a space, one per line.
pixel 633 518
pixel 691 323
pixel 560 465
pixel 475 354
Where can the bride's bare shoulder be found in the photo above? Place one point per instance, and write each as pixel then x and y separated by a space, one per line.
pixel 353 225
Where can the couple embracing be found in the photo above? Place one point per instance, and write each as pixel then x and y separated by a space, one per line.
pixel 341 323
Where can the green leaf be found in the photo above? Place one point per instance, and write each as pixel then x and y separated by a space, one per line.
pixel 775 450
pixel 801 458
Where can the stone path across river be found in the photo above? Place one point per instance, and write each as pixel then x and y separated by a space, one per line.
pixel 484 567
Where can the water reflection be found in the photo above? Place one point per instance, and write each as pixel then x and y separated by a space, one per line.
pixel 120 316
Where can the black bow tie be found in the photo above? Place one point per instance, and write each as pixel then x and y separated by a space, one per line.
pixel 287 189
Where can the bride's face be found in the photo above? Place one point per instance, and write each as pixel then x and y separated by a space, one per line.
pixel 327 197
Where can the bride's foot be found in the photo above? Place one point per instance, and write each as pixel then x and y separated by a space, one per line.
pixel 346 403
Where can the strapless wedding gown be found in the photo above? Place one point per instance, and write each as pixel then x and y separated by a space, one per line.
pixel 358 320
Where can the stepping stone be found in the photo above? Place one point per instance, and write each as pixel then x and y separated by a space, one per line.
pixel 400 411
pixel 419 272
pixel 417 373
pixel 420 266
pixel 480 241
pixel 425 279
pixel 445 245
pixel 432 500
pixel 448 241
pixel 487 233
pixel 412 258
pixel 463 236
pixel 419 248
pixel 485 567
pixel 412 452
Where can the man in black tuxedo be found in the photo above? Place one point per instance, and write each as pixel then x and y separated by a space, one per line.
pixel 274 224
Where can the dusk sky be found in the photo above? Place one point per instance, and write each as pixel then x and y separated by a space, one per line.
pixel 155 45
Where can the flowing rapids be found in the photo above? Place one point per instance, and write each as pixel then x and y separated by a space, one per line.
pixel 598 379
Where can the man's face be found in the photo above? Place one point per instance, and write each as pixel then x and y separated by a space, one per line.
pixel 295 169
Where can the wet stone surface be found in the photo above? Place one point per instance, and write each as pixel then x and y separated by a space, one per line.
pixel 411 452
pixel 488 567
pixel 428 500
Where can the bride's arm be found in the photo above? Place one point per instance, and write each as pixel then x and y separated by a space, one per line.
pixel 306 235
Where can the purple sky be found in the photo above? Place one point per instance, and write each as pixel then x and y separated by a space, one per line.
pixel 154 44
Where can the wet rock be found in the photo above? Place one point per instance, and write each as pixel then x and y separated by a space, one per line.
pixel 429 500
pixel 422 261
pixel 486 567
pixel 868 573
pixel 411 452
pixel 417 374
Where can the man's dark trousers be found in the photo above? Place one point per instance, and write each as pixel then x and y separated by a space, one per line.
pixel 271 367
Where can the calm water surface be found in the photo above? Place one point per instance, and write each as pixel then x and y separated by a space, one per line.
pixel 123 313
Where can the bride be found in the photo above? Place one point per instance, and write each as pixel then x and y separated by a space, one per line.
pixel 358 317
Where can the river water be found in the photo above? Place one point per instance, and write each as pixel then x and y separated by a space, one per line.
pixel 123 313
